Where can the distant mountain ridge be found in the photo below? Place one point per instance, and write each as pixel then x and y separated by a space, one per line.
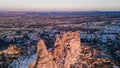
pixel 69 13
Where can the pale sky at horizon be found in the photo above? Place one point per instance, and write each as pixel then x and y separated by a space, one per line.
pixel 36 5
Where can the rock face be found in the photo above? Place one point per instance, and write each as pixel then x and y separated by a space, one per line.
pixel 13 49
pixel 7 56
pixel 65 53
pixel 68 52
pixel 93 58
pixel 44 59
pixel 67 48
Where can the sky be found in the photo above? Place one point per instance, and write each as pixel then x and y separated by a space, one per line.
pixel 59 5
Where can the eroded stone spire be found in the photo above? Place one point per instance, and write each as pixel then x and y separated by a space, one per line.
pixel 67 49
pixel 44 59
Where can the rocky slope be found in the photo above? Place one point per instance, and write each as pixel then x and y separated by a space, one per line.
pixel 69 52
pixel 8 55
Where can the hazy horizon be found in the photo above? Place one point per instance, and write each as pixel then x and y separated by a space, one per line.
pixel 60 5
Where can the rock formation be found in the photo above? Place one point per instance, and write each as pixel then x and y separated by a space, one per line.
pixel 7 56
pixel 67 49
pixel 13 49
pixel 44 59
pixel 68 52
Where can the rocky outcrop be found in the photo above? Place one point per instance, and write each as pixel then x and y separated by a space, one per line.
pixel 44 59
pixel 91 57
pixel 13 50
pixel 67 49
pixel 7 56
pixel 68 52
pixel 65 53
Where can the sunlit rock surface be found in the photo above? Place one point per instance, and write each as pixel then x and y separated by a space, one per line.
pixel 44 59
pixel 8 55
pixel 93 58
pixel 13 50
pixel 65 53
pixel 69 52
pixel 67 49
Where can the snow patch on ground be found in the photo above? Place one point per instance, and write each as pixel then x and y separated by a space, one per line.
pixel 22 62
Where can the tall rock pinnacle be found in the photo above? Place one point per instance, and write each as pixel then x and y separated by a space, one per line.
pixel 65 53
pixel 68 52
pixel 67 49
pixel 44 59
